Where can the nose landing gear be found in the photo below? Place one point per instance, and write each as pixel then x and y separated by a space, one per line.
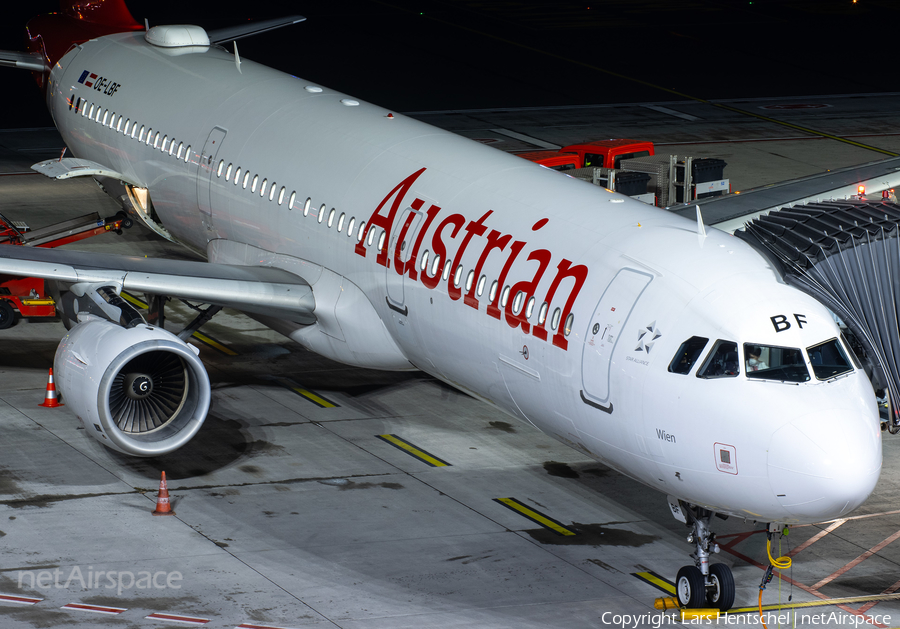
pixel 702 585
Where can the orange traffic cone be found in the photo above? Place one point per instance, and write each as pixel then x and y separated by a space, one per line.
pixel 162 499
pixel 51 399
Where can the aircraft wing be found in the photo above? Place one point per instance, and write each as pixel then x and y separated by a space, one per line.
pixel 733 211
pixel 240 31
pixel 260 290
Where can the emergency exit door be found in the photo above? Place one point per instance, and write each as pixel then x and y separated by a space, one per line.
pixel 604 331
pixel 402 237
pixel 207 167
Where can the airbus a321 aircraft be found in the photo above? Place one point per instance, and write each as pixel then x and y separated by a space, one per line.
pixel 674 355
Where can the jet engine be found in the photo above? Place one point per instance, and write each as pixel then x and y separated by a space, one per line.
pixel 139 390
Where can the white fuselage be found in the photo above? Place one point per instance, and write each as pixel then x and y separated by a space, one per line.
pixel 637 281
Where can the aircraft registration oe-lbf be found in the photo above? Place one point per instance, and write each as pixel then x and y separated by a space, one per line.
pixel 672 354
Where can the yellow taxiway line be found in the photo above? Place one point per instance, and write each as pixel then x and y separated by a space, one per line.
pixel 656 581
pixel 318 400
pixel 413 451
pixel 213 343
pixel 535 516
pixel 667 586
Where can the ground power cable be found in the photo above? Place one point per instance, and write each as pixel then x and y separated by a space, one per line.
pixel 781 563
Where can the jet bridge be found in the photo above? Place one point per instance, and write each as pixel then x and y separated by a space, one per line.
pixel 846 254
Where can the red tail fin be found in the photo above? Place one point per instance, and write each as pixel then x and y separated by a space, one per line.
pixel 107 12
pixel 78 21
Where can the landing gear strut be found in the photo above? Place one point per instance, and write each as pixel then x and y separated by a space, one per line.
pixel 702 585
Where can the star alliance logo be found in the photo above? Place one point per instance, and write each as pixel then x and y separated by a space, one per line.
pixel 646 337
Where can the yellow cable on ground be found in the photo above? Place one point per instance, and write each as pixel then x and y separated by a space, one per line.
pixel 782 563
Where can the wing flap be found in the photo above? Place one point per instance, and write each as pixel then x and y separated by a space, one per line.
pixel 260 290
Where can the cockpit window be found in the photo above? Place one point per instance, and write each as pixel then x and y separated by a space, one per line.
pixel 687 355
pixel 722 361
pixel 775 363
pixel 828 360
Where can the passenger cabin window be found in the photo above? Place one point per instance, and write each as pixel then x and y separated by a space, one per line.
pixel 767 362
pixel 722 361
pixel 570 323
pixel 828 360
pixel 687 355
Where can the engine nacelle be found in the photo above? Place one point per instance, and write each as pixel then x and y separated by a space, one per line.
pixel 140 390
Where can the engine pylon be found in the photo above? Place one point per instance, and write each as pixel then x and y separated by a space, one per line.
pixel 162 499
pixel 51 399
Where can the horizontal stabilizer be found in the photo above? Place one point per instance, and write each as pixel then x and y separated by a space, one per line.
pixel 260 290
pixel 75 167
pixel 232 33
pixel 25 60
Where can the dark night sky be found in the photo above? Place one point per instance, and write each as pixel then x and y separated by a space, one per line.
pixel 458 54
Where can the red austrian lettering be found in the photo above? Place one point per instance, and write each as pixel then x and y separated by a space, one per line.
pixel 399 246
pixel 414 254
pixel 440 250
pixel 494 241
pixel 578 274
pixel 492 309
pixel 474 228
pixel 386 221
pixel 516 319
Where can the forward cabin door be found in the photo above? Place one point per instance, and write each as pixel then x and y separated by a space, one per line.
pixel 603 333
pixel 400 248
pixel 208 165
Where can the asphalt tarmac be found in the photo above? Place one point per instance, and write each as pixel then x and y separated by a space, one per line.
pixel 318 494
pixel 311 495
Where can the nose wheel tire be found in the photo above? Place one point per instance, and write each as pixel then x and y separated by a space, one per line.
pixel 690 588
pixel 721 592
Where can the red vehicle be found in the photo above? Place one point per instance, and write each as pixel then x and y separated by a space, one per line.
pixel 26 296
pixel 553 159
pixel 599 154
pixel 608 153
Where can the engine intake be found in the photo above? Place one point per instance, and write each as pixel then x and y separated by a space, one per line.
pixel 140 390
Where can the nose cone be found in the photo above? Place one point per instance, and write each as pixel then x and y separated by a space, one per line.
pixel 824 465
